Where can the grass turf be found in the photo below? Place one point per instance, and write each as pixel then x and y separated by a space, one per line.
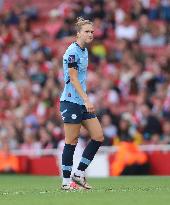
pixel 38 190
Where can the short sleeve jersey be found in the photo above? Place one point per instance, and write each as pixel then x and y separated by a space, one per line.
pixel 77 58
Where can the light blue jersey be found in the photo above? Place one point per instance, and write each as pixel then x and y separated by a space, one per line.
pixel 74 57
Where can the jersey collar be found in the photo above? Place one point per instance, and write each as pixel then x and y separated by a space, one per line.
pixel 83 49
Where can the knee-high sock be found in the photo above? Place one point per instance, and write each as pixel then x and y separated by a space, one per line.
pixel 67 159
pixel 89 154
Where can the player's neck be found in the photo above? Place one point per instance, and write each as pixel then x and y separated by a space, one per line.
pixel 81 44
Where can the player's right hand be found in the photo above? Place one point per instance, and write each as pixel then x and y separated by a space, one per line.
pixel 89 106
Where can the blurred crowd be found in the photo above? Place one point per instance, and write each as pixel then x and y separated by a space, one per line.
pixel 128 79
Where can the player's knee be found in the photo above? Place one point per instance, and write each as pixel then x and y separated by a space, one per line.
pixel 71 141
pixel 99 138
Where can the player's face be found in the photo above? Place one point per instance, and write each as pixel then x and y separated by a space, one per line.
pixel 86 33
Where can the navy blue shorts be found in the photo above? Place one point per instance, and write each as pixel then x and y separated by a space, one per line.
pixel 74 113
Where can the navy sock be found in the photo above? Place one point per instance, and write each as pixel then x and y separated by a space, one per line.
pixel 67 160
pixel 89 154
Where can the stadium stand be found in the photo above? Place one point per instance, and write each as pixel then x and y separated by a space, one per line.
pixel 129 70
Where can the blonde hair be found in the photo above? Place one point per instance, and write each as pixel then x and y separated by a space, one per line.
pixel 81 22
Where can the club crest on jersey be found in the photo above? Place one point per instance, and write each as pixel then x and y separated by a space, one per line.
pixel 69 94
pixel 73 116
pixel 71 58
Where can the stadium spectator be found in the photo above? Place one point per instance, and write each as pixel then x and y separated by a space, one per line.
pixel 151 124
pixel 126 30
pixel 129 160
pixel 155 37
pixel 127 130
pixel 65 31
pixel 9 163
pixel 30 145
pixel 165 137
pixel 45 139
pixel 1 5
pixel 165 9
pixel 109 130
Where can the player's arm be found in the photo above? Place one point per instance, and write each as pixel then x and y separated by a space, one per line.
pixel 75 82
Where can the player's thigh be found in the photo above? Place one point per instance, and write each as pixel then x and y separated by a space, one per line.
pixel 72 117
pixel 71 133
pixel 94 128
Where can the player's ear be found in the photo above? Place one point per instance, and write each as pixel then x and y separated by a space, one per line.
pixel 78 34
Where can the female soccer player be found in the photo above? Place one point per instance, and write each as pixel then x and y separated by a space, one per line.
pixel 76 108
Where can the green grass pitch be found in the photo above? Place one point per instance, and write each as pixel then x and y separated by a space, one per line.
pixel 43 190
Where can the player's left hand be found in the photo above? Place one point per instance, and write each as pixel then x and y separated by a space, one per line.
pixel 89 106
